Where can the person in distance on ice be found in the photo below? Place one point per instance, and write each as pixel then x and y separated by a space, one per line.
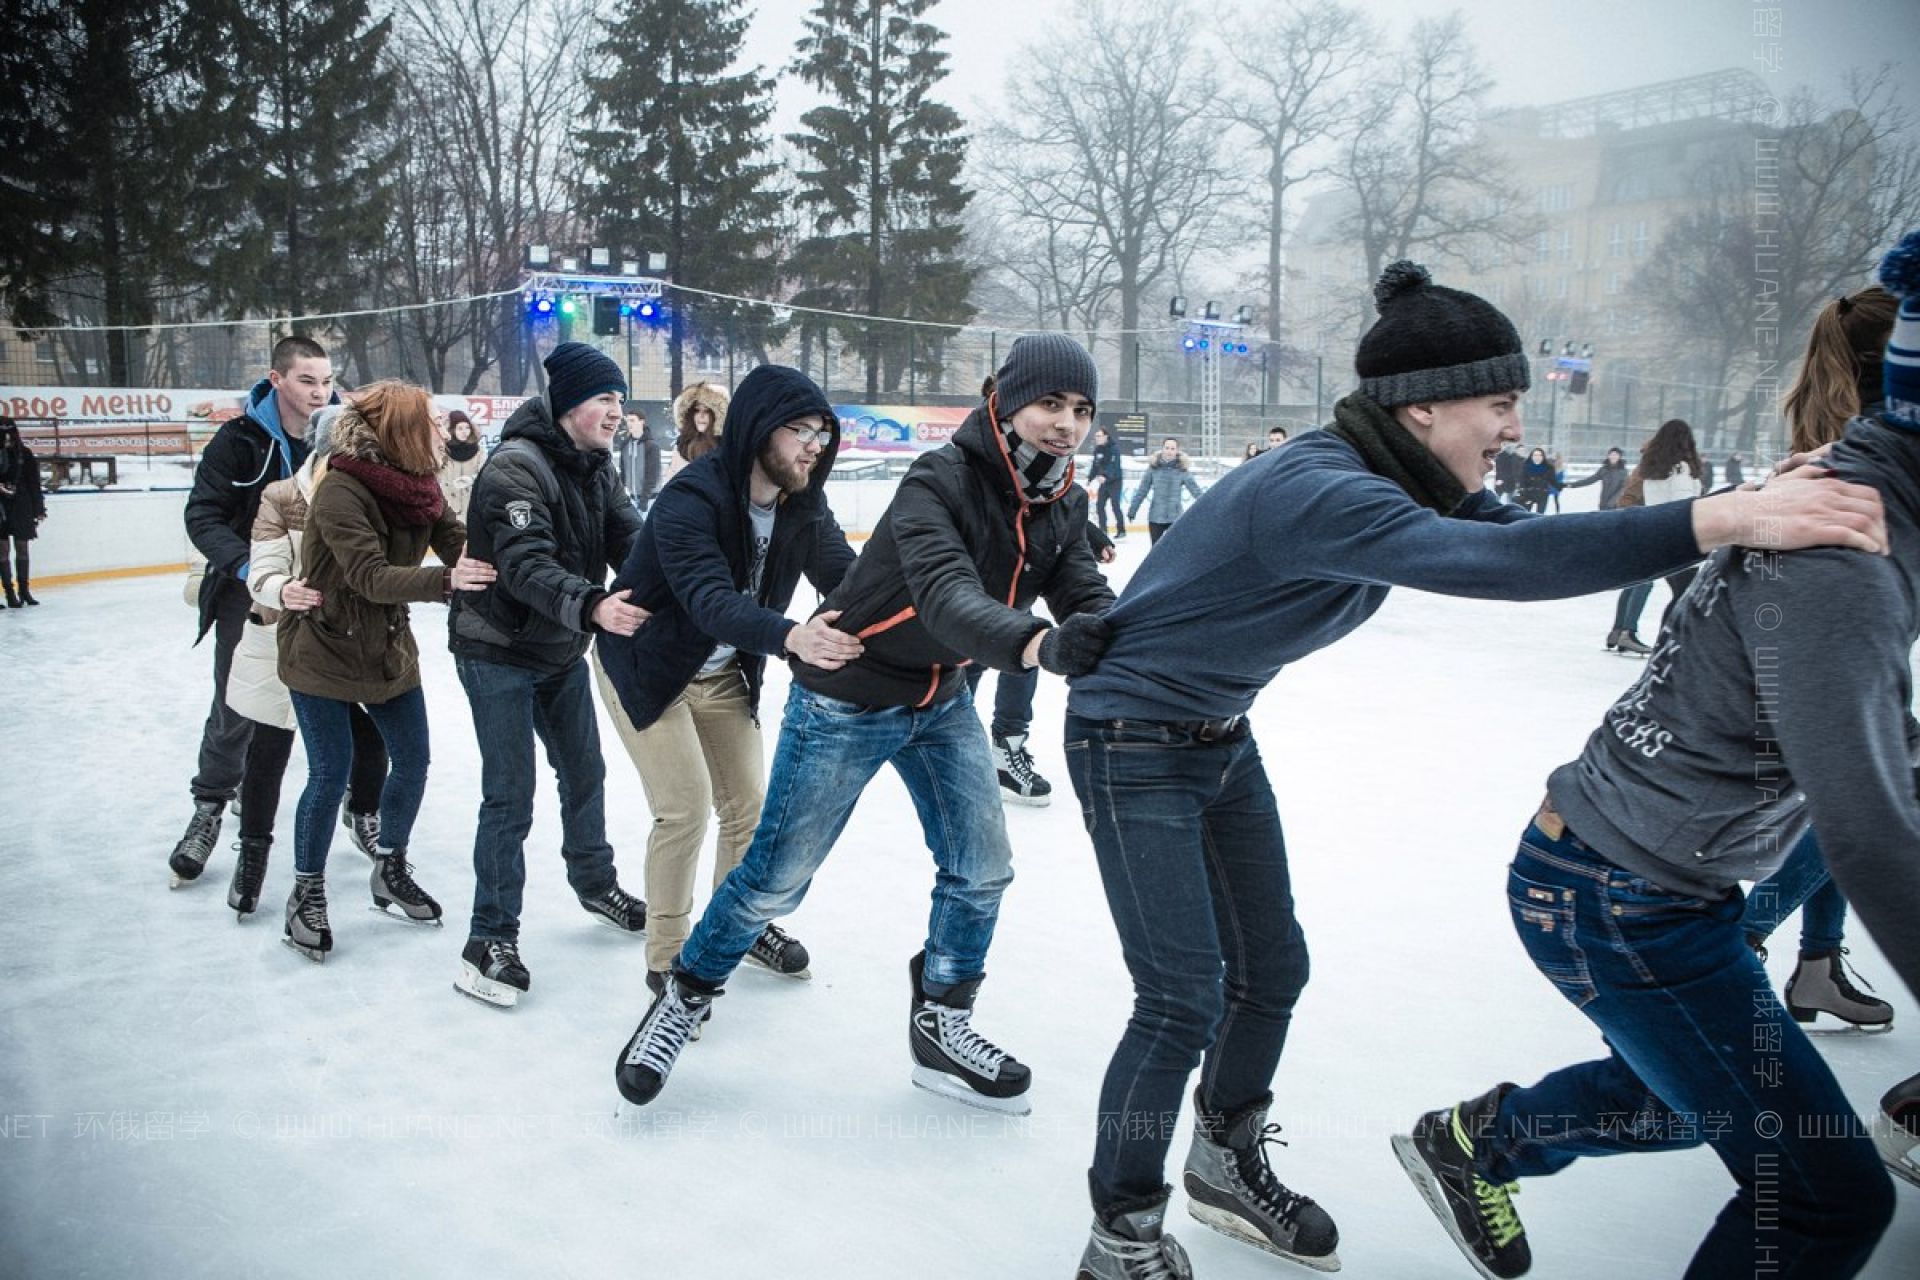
pixel 369 525
pixel 1778 696
pixel 265 443
pixel 1284 556
pixel 551 515
pixel 978 530
pixel 716 566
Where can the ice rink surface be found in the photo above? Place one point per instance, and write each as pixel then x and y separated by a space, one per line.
pixel 184 1096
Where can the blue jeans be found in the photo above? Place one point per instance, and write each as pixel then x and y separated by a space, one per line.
pixel 829 750
pixel 511 705
pixel 1801 884
pixel 326 726
pixel 1012 698
pixel 1700 1051
pixel 1195 867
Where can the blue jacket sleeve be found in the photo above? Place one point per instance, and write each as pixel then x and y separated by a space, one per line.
pixel 683 522
pixel 1364 529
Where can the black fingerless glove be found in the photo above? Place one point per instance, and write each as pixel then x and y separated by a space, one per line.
pixel 1075 646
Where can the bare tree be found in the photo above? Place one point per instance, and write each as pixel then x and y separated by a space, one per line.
pixel 1113 143
pixel 1421 178
pixel 508 74
pixel 1295 66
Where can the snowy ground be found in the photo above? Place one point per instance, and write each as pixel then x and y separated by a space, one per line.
pixel 187 1097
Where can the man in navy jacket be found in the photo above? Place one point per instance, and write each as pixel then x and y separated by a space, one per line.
pixel 716 566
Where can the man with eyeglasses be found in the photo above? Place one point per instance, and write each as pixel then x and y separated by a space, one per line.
pixel 979 530
pixel 716 565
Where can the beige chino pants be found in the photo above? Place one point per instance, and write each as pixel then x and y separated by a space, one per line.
pixel 703 755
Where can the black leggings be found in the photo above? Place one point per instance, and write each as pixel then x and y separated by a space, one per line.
pixel 267 755
pixel 21 563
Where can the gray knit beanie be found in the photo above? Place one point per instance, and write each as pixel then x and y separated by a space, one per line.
pixel 1039 363
pixel 1434 343
pixel 320 429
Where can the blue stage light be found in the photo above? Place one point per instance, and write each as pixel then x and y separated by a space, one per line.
pixel 1188 343
pixel 648 311
pixel 544 306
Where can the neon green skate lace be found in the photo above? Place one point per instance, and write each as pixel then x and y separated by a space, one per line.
pixel 1496 1199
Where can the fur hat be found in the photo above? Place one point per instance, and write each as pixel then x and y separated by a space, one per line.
pixel 576 373
pixel 1900 276
pixel 1434 343
pixel 1041 362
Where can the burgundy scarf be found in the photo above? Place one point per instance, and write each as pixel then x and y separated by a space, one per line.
pixel 405 500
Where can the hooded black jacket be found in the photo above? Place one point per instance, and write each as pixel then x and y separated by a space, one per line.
pixel 246 454
pixel 552 519
pixel 950 573
pixel 689 565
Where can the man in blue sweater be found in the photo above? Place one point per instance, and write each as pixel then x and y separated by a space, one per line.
pixel 1288 553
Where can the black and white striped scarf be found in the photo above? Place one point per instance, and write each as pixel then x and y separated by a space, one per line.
pixel 1042 476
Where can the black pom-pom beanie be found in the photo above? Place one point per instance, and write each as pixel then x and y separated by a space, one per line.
pixel 1433 343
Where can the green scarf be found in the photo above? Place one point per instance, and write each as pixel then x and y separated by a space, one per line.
pixel 1391 452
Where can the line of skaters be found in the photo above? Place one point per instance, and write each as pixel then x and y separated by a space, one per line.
pixel 1290 552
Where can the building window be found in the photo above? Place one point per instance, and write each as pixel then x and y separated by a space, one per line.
pixel 1566 243
pixel 1560 287
pixel 43 352
pixel 1543 246
pixel 1616 241
pixel 1615 281
pixel 1640 238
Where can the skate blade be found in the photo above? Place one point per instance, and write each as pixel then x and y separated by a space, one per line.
pixel 177 881
pixel 314 954
pixel 639 934
pixel 1030 802
pixel 401 917
pixel 476 986
pixel 1236 1228
pixel 1899 1150
pixel 802 975
pixel 1430 1191
pixel 1823 1024
pixel 939 1082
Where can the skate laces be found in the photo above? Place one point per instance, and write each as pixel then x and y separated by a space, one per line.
pixel 664 1032
pixel 1020 763
pixel 1845 975
pixel 398 877
pixel 772 942
pixel 954 1030
pixel 1256 1170
pixel 501 956
pixel 252 870
pixel 312 911
pixel 1496 1209
pixel 1160 1259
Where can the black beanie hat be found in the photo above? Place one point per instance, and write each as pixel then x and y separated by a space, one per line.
pixel 1433 343
pixel 1039 363
pixel 577 373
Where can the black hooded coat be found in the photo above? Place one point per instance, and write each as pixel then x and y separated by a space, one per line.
pixel 690 565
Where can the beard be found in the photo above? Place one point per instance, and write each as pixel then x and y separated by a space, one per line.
pixel 790 476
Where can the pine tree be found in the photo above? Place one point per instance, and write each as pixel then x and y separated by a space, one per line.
pixel 309 172
pixel 674 162
pixel 880 182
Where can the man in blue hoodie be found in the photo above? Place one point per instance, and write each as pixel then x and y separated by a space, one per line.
pixel 716 565
pixel 248 453
pixel 1290 552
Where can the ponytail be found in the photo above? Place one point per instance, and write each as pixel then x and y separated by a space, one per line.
pixel 1849 332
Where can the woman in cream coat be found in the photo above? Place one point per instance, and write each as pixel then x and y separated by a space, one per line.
pixel 255 691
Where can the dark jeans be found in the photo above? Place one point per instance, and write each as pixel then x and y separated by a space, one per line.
pixel 829 751
pixel 1801 884
pixel 1012 698
pixel 1109 497
pixel 511 706
pixel 1156 531
pixel 326 725
pixel 267 755
pixel 224 737
pixel 1195 867
pixel 1626 612
pixel 1700 1051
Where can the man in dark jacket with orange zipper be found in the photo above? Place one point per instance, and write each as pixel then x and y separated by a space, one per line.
pixel 979 530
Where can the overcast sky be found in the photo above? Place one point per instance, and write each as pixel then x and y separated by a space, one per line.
pixel 1538 51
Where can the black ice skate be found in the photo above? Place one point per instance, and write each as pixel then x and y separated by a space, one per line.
pixel 395 895
pixel 777 951
pixel 243 894
pixel 1820 984
pixel 1896 1130
pixel 491 972
pixel 307 931
pixel 657 982
pixel 196 845
pixel 363 829
pixel 1129 1243
pixel 1477 1214
pixel 1019 784
pixel 620 910
pixel 1231 1188
pixel 955 1061
pixel 647 1059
